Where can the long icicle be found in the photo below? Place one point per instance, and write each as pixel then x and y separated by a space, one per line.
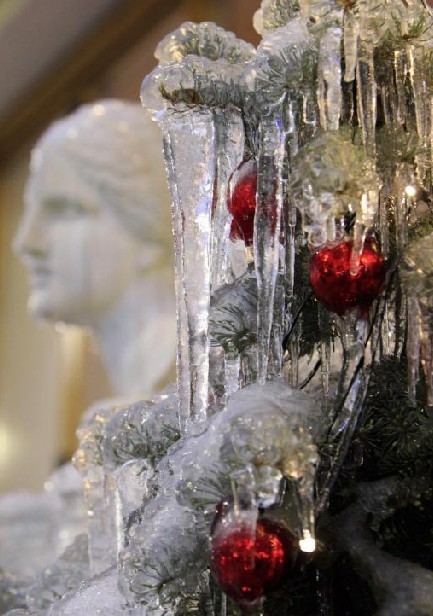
pixel 345 439
pixel 192 191
pixel 230 143
pixel 267 227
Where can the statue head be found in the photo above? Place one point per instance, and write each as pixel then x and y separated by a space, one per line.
pixel 97 216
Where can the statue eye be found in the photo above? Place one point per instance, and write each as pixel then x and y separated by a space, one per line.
pixel 65 209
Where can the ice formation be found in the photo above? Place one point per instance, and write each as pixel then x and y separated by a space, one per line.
pixel 335 106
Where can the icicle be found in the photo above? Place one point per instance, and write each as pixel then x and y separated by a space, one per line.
pixel 430 143
pixel 126 490
pixel 416 273
pixel 413 346
pixel 230 142
pixel 223 611
pixel 287 282
pixel 279 326
pixel 306 492
pixel 217 374
pixel 248 372
pixel 357 379
pixel 366 94
pixel 350 45
pixel 384 198
pixel 290 254
pixel 307 129
pixel 386 97
pixel 421 121
pixel 329 95
pixel 400 74
pixel 325 356
pixel 418 95
pixel 232 368
pixel 386 333
pixel 292 361
pixel 404 192
pixel 427 350
pixel 267 227
pixel 88 461
pixel 359 235
pixel 190 158
pixel 352 331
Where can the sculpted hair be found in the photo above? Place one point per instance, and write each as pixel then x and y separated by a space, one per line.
pixel 117 149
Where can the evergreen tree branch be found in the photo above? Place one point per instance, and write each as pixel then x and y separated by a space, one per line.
pixel 400 588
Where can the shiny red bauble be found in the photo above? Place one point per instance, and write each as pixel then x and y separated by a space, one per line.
pixel 249 563
pixel 242 201
pixel 336 287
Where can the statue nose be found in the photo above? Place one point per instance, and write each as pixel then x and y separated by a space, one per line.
pixel 30 237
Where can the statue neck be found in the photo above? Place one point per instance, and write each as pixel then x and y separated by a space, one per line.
pixel 137 338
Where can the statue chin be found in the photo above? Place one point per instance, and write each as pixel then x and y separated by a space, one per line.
pixel 41 309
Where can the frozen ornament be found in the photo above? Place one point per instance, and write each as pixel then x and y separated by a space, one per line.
pixel 336 286
pixel 269 434
pixel 333 163
pixel 249 557
pixel 332 176
pixel 242 201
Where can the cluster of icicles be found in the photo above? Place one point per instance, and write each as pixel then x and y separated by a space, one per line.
pixel 343 97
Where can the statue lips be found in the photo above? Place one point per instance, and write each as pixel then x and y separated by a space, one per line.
pixel 39 275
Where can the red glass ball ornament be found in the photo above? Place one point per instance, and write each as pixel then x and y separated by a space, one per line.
pixel 242 201
pixel 247 564
pixel 336 287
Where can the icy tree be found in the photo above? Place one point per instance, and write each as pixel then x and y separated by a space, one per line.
pixel 331 197
pixel 296 478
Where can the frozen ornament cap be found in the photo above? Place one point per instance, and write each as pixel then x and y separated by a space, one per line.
pixel 206 40
pixel 268 434
pixel 199 64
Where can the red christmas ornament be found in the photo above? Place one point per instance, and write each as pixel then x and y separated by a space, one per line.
pixel 336 287
pixel 242 201
pixel 248 564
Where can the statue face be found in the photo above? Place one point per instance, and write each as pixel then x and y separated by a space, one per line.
pixel 80 260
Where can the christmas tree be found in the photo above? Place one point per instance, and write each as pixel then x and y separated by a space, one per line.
pixel 292 474
pixel 311 155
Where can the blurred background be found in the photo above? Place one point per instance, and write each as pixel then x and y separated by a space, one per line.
pixel 54 56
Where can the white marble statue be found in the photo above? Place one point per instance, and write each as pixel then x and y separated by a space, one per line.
pixel 96 240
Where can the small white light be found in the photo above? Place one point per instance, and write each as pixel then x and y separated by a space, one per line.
pixel 307 544
pixel 410 191
pixel 98 109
